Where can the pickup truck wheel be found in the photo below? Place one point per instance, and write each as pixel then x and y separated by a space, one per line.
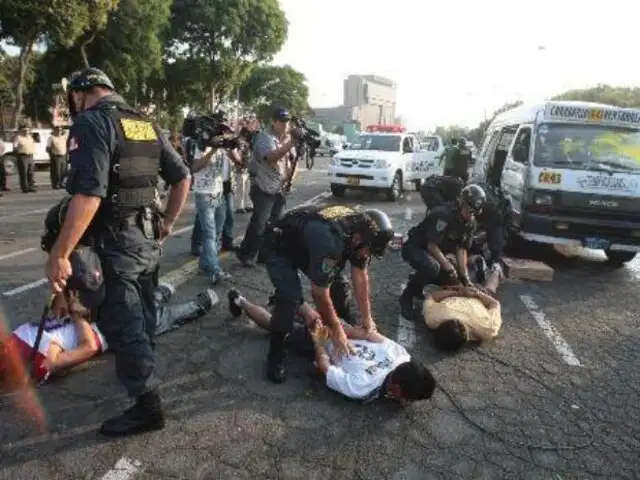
pixel 617 258
pixel 337 190
pixel 395 190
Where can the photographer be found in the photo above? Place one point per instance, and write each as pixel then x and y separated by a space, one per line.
pixel 269 173
pixel 208 190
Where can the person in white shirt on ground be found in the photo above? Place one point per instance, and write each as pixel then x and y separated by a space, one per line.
pixel 458 315
pixel 70 339
pixel 379 368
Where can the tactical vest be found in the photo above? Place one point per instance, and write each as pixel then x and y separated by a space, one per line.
pixel 135 165
pixel 290 231
pixel 461 160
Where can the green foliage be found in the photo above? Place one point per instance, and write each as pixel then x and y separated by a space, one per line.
pixel 618 96
pixel 269 86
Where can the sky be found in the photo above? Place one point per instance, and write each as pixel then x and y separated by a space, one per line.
pixel 456 60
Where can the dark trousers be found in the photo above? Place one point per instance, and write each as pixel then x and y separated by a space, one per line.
pixel 25 172
pixel 284 277
pixel 3 176
pixel 266 207
pixel 57 167
pixel 227 229
pixel 427 270
pixel 196 236
pixel 127 317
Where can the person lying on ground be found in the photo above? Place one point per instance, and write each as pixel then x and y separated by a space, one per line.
pixel 70 338
pixel 458 315
pixel 378 368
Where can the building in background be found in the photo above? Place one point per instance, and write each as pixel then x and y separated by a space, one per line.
pixel 368 100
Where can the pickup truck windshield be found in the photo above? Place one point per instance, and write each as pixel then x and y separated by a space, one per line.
pixel 590 147
pixel 384 143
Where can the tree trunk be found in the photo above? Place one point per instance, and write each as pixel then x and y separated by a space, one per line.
pixel 83 49
pixel 24 57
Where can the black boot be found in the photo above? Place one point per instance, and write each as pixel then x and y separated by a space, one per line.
pixel 276 359
pixel 411 291
pixel 145 416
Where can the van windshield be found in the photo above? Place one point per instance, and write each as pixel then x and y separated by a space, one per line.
pixel 592 147
pixel 384 143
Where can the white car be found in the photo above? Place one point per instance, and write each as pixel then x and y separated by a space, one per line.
pixel 383 159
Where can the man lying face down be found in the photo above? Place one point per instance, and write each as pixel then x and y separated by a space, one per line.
pixel 458 315
pixel 379 367
pixel 70 338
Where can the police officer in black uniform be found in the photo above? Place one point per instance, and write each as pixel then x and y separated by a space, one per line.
pixel 493 222
pixel 115 156
pixel 319 242
pixel 438 189
pixel 448 228
pixel 461 160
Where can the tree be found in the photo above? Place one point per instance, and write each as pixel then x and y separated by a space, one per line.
pixel 97 18
pixel 618 96
pixel 269 86
pixel 26 23
pixel 230 34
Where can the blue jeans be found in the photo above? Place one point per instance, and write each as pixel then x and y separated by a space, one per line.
pixel 227 229
pixel 211 212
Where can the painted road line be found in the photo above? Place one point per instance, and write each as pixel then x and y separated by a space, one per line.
pixel 125 469
pixel 23 214
pixel 317 199
pixel 25 288
pixel 406 330
pixel 18 253
pixel 408 214
pixel 549 330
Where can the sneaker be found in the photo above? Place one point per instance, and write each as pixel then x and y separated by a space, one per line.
pixel 220 277
pixel 234 308
pixel 163 293
pixel 497 268
pixel 207 300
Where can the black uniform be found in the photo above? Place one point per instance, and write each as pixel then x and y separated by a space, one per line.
pixel 461 161
pixel 444 227
pixel 116 154
pixel 438 189
pixel 316 242
pixel 493 221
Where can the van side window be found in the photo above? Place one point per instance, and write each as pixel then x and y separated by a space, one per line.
pixel 522 145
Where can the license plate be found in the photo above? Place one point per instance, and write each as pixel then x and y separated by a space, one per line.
pixel 596 243
pixel 353 181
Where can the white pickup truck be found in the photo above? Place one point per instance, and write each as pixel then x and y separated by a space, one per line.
pixel 383 159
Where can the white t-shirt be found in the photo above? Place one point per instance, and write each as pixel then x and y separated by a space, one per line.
pixel 359 375
pixel 209 179
pixel 63 333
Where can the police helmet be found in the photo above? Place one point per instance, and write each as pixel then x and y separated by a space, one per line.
pixel 474 197
pixel 88 78
pixel 378 231
pixel 53 223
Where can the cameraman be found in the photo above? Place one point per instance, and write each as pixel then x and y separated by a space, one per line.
pixel 269 172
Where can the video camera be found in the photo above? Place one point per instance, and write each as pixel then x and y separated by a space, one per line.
pixel 211 131
pixel 310 137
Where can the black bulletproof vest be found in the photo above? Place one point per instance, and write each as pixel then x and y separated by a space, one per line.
pixel 135 166
pixel 291 231
pixel 461 159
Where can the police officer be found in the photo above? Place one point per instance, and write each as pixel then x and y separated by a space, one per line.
pixel 493 221
pixel 447 228
pixel 447 157
pixel 319 242
pixel 461 160
pixel 115 157
pixel 438 189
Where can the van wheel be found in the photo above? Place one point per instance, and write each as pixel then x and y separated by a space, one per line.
pixel 337 190
pixel 395 190
pixel 617 258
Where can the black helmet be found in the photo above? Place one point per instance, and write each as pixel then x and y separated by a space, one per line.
pixel 53 223
pixel 87 78
pixel 474 197
pixel 378 231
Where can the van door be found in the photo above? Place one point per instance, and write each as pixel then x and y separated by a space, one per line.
pixel 514 173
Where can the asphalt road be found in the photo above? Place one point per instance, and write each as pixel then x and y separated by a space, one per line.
pixel 554 397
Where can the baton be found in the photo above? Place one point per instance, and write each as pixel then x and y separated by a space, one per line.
pixel 43 320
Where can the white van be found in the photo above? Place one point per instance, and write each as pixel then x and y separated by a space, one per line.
pixel 383 159
pixel 572 172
